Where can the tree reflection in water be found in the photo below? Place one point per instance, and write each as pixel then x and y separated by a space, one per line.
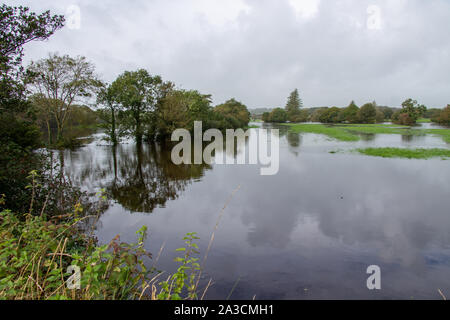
pixel 140 177
pixel 147 178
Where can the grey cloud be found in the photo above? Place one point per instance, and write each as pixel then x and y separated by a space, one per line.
pixel 258 51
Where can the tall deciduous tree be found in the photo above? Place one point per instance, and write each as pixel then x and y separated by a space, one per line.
pixel 234 112
pixel 18 26
pixel 63 80
pixel 42 107
pixel 18 133
pixel 350 114
pixel 413 109
pixel 331 115
pixel 367 113
pixel 139 93
pixel 180 108
pixel 379 116
pixel 277 115
pixel 107 98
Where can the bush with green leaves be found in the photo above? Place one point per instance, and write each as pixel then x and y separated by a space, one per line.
pixel 277 115
pixel 330 115
pixel 185 279
pixel 367 113
pixel 233 114
pixel 409 114
pixel 443 116
pixel 35 255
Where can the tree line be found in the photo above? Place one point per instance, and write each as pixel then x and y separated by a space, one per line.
pixel 136 103
pixel 49 93
pixel 408 114
pixel 48 98
pixel 440 116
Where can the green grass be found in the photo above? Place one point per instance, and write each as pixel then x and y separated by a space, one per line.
pixel 382 125
pixel 349 132
pixel 444 133
pixel 424 120
pixel 406 153
pixel 332 132
pixel 381 129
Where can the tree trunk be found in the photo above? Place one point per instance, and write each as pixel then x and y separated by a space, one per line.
pixel 49 132
pixel 113 128
pixel 138 128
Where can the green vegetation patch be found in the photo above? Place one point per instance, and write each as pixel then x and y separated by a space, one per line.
pixel 403 130
pixel 383 129
pixel 348 132
pixel 335 132
pixel 444 133
pixel 406 153
pixel 386 125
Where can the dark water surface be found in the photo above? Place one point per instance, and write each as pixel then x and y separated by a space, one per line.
pixel 308 232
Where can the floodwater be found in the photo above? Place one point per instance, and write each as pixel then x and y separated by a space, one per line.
pixel 308 232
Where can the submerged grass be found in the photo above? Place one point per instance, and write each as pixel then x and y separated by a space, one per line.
pixel 330 131
pixel 349 132
pixel 444 133
pixel 406 153
pixel 383 130
pixel 386 125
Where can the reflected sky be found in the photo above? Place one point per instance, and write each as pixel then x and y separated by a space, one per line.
pixel 308 232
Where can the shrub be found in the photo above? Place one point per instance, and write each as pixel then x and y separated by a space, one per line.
pixel 413 109
pixel 277 115
pixel 405 120
pixel 185 279
pixel 443 117
pixel 299 116
pixel 234 112
pixel 331 115
pixel 35 255
pixel 21 132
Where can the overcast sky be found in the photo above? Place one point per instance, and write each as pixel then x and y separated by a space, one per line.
pixel 258 51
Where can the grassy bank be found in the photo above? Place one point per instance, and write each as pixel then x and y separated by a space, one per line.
pixel 41 256
pixel 406 153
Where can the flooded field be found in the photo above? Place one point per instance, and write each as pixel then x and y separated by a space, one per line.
pixel 308 232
